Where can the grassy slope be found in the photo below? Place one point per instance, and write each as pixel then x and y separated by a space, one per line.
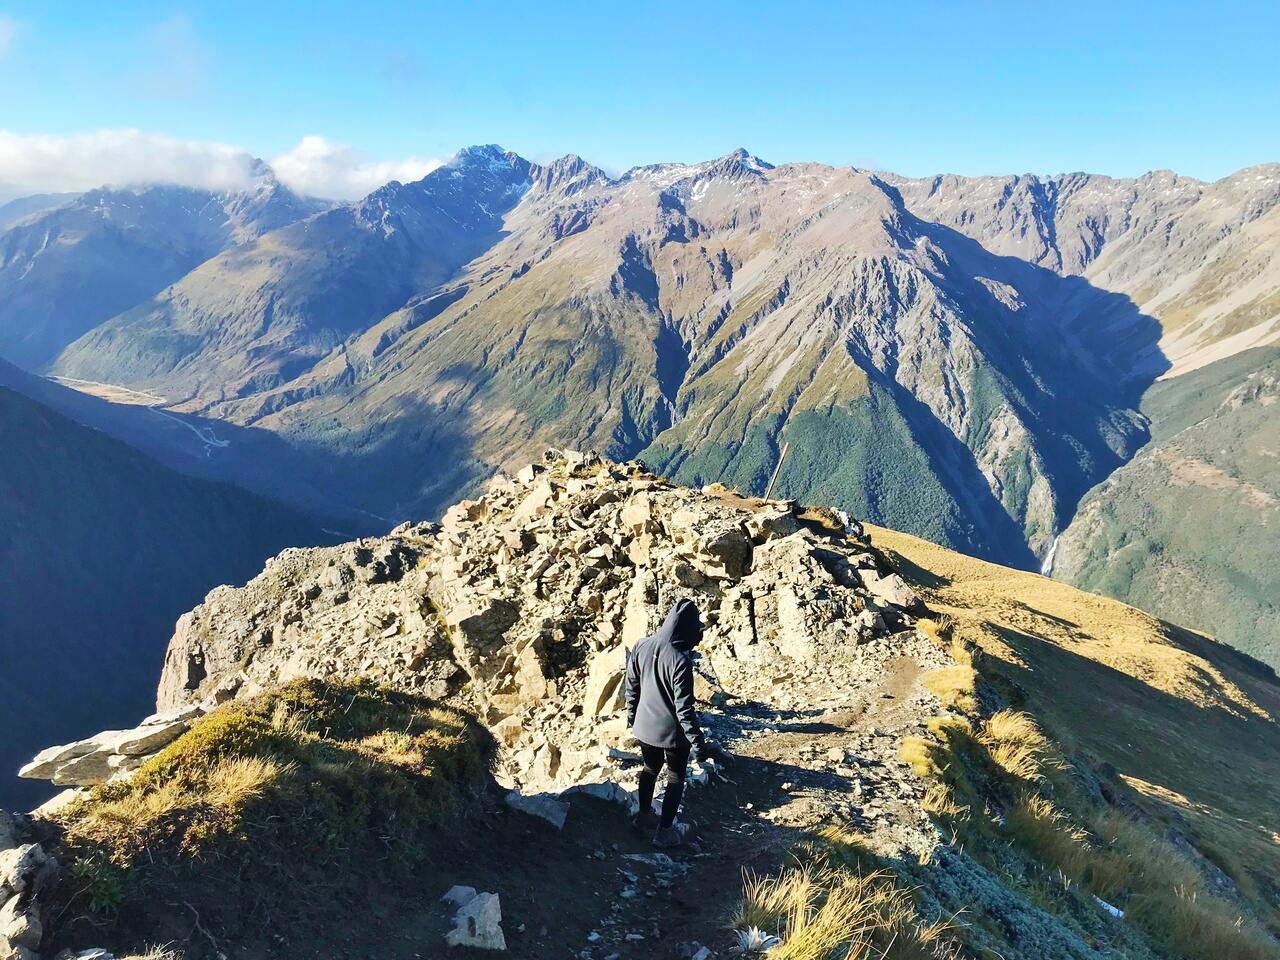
pixel 1213 458
pixel 1190 724
pixel 266 813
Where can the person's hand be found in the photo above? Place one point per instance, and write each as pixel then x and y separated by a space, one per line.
pixel 719 754
pixel 707 770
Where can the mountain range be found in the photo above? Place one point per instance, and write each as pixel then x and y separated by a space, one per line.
pixel 964 358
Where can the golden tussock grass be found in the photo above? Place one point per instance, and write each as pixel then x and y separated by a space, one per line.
pixel 955 686
pixel 1017 745
pixel 825 914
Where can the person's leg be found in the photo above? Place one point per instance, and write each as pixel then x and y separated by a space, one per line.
pixel 653 757
pixel 677 763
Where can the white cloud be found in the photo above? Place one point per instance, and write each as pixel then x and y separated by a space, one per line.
pixel 119 158
pixel 320 168
pixel 49 164
pixel 8 29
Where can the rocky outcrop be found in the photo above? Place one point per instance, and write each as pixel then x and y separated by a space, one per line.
pixel 523 601
pixel 25 869
pixel 111 754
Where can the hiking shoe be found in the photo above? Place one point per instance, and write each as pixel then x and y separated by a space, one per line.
pixel 646 821
pixel 672 836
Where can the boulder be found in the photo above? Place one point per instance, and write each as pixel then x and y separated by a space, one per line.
pixel 541 805
pixel 22 867
pixel 478 924
pixel 96 759
pixel 890 588
pixel 20 922
pixel 605 687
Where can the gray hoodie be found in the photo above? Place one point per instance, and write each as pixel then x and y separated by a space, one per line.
pixel 659 688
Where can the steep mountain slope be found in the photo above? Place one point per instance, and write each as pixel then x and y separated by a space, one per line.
pixel 100 550
pixel 67 269
pixel 1201 259
pixel 1188 528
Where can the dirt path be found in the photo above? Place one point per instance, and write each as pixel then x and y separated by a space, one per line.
pixel 598 891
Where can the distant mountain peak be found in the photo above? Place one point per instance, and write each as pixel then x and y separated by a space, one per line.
pixel 745 159
pixel 485 155
pixel 569 173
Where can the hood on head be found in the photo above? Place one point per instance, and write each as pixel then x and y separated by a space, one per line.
pixel 683 626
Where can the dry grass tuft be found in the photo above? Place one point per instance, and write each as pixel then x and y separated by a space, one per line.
pixel 831 913
pixel 955 686
pixel 1017 746
pixel 939 800
pixel 924 756
pixel 235 781
pixel 1190 926
pixel 937 628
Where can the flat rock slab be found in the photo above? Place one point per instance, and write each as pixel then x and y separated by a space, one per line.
pixel 544 805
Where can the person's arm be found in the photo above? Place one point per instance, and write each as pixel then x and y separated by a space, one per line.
pixel 682 689
pixel 632 689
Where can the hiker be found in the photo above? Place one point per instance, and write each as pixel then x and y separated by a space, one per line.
pixel 661 715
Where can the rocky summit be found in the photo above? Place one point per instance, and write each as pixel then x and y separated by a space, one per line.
pixel 521 603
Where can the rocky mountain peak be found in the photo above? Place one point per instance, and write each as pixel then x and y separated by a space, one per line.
pixel 735 165
pixel 488 156
pixel 568 174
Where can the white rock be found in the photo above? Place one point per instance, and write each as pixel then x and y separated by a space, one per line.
pixel 478 924
pixel 458 895
pixel 20 866
pixel 20 925
pixel 542 805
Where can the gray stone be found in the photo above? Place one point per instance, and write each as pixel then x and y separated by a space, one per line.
pixel 477 924
pixel 21 866
pixel 890 588
pixel 20 922
pixel 540 805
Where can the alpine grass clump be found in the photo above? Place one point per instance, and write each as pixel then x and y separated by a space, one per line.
pixel 833 904
pixel 320 769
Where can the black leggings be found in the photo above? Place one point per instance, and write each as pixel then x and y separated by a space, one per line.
pixel 677 762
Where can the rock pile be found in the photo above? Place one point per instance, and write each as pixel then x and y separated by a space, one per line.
pixel 522 603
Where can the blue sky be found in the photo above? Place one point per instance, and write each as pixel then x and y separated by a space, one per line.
pixel 917 88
